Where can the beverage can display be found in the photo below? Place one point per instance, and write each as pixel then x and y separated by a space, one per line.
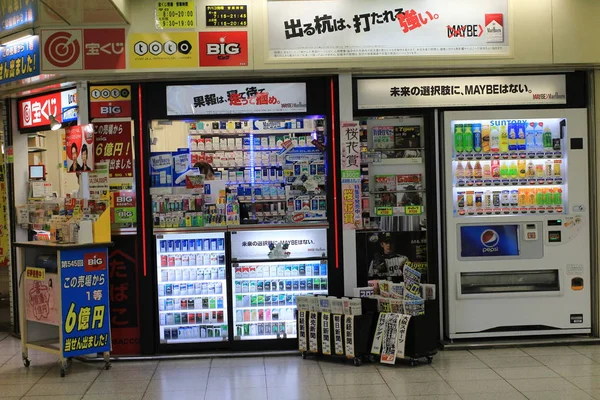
pixel 505 198
pixel 514 197
pixel 460 199
pixel 557 168
pixel 469 199
pixel 496 198
pixel 548 168
pixel 478 199
pixel 487 199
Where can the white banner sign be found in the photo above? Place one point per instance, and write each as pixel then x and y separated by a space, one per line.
pixel 461 91
pixel 380 28
pixel 279 244
pixel 243 98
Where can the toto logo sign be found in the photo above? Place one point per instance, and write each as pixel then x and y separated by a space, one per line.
pixel 156 47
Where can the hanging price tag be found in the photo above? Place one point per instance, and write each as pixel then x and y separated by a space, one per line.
pixel 413 210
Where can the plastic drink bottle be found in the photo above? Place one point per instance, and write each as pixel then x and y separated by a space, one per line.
pixel 530 137
pixel 467 139
pixel 496 171
pixel 531 197
pixel 522 168
pixel 539 197
pixel 487 171
pixel 557 171
pixel 548 168
pixel 547 139
pixel 476 128
pixel 469 170
pixel 458 138
pixel 512 140
pixel 477 172
pixel 494 140
pixel 548 197
pixel 521 140
pixel 503 139
pixel 558 197
pixel 460 171
pixel 539 170
pixel 530 169
pixel 485 138
pixel 504 170
pixel 522 197
pixel 513 171
pixel 539 136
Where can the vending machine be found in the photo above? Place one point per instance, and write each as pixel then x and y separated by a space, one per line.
pixel 517 223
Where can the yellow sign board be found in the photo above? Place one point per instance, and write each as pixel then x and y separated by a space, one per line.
pixel 163 50
pixel 175 14
pixel 35 274
pixel 384 211
pixel 413 210
pixel 110 93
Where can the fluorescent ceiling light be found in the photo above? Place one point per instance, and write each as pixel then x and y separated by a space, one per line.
pixel 16 37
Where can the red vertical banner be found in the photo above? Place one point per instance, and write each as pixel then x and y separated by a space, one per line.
pixel 124 296
pixel 80 148
pixel 113 146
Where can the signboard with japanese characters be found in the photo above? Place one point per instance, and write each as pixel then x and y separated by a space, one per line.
pixel 175 14
pixel 262 245
pixel 16 13
pixel 350 158
pixel 98 182
pixel 242 98
pixel 80 148
pixel 461 91
pixel 226 16
pixel 20 60
pixel 113 146
pixel 112 101
pixel 85 301
pixel 35 112
pixel 80 49
pixel 41 296
pixel 125 328
pixel 223 49
pixel 163 50
pixel 384 28
pixel 123 208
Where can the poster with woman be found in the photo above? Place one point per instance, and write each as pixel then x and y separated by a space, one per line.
pixel 79 141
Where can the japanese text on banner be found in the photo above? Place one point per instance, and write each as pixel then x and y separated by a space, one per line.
pixel 350 149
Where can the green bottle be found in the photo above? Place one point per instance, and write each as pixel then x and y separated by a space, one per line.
pixel 468 139
pixel 458 138
pixel 513 171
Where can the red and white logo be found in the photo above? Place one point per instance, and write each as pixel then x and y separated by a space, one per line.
pixel 104 48
pixel 224 49
pixel 95 261
pixel 61 49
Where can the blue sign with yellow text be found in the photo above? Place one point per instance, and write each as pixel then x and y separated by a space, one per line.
pixel 85 301
pixel 20 60
pixel 16 13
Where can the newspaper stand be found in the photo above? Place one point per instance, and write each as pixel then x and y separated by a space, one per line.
pixel 364 329
pixel 40 309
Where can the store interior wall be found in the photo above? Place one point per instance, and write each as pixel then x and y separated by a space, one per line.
pixel 169 137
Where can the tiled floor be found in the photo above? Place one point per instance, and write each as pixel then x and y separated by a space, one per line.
pixel 544 373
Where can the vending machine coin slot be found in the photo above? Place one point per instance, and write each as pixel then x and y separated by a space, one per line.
pixel 554 236
pixel 577 283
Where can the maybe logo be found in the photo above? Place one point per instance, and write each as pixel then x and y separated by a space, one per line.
pixel 490 240
pixel 224 49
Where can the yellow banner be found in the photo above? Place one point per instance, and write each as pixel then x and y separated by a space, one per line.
pixel 413 210
pixel 110 93
pixel 163 50
pixel 35 274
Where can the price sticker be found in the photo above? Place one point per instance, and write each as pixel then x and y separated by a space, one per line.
pixel 412 210
pixel 384 211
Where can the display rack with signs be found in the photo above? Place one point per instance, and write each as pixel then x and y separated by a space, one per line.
pixel 336 327
pixel 64 300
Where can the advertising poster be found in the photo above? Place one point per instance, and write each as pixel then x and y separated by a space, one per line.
pixel 4 228
pixel 85 301
pixel 125 328
pixel 113 146
pixel 123 207
pixel 20 60
pixel 350 159
pixel 41 296
pixel 223 49
pixel 80 148
pixel 112 101
pixel 35 112
pixel 382 255
pixel 163 50
pixel 243 98
pixel 98 182
pixel 384 28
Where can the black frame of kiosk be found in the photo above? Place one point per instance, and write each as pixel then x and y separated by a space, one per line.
pixel 322 99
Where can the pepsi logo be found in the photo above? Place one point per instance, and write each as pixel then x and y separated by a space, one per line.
pixel 490 238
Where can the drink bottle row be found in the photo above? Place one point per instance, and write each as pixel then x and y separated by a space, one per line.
pixel 505 138
pixel 496 172
pixel 523 200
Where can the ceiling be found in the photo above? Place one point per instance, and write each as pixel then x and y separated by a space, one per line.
pixel 79 12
